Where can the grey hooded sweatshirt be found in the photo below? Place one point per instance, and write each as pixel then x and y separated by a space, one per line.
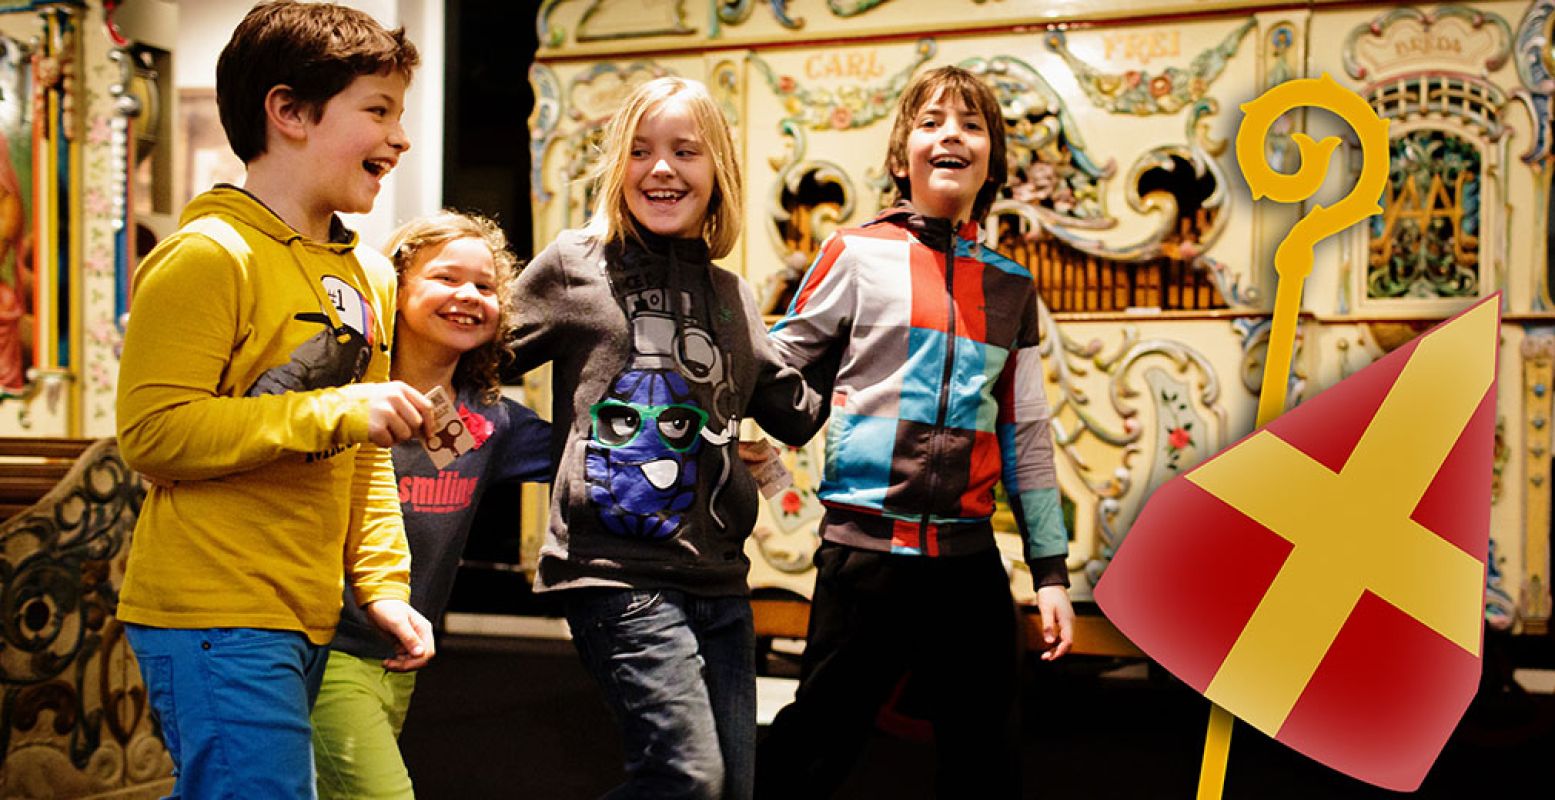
pixel 656 356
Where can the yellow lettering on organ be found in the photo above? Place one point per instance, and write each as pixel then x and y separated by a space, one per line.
pixel 1142 47
pixel 1428 44
pixel 851 66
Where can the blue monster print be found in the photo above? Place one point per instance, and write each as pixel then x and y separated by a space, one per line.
pixel 640 463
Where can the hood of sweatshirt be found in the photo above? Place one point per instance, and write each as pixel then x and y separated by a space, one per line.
pixel 234 203
pixel 313 260
pixel 935 232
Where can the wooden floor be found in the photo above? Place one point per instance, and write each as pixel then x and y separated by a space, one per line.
pixel 499 717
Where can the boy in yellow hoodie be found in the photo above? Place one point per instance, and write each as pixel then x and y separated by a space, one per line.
pixel 254 391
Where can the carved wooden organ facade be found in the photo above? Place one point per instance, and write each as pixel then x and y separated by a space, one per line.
pixel 85 184
pixel 1126 203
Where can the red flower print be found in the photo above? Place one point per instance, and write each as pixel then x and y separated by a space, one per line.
pixel 1179 438
pixel 478 426
pixel 1161 86
pixel 791 502
pixel 786 85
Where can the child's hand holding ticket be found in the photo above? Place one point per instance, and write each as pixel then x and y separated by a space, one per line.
pixel 448 438
pixel 766 466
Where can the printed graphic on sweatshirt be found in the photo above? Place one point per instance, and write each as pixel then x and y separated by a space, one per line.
pixel 649 430
pixel 444 494
pixel 335 356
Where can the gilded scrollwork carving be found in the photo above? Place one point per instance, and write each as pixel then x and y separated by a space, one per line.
pixel 809 198
pixel 74 712
pixel 1536 68
pixel 1481 40
pixel 1053 177
pixel 542 126
pixel 592 98
pixel 1254 333
pixel 1182 396
pixel 844 108
pixel 602 21
pixel 1140 93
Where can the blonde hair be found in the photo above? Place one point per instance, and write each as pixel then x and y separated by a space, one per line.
pixel 725 209
pixel 479 368
pixel 979 99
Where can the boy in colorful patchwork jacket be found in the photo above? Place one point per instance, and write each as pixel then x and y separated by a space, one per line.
pixel 931 341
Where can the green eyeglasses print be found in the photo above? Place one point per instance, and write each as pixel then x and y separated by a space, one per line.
pixel 617 423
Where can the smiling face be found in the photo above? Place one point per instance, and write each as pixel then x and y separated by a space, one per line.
pixel 946 157
pixel 355 141
pixel 669 173
pixel 448 298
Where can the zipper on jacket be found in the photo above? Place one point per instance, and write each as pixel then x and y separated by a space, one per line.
pixel 944 387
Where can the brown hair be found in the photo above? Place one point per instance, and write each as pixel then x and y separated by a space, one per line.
pixel 479 368
pixel 979 99
pixel 315 49
pixel 725 209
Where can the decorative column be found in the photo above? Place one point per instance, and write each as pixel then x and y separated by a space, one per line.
pixel 1538 381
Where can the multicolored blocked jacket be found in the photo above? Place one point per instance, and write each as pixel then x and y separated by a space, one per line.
pixel 937 394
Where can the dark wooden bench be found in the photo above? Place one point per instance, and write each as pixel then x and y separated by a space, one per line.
pixel 31 467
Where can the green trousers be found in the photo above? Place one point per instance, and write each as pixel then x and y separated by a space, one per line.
pixel 356 728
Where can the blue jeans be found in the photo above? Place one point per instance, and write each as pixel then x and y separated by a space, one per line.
pixel 679 671
pixel 233 707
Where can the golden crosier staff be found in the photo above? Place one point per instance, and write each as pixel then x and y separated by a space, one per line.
pixel 1293 263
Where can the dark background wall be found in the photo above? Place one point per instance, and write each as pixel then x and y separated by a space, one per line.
pixel 490 44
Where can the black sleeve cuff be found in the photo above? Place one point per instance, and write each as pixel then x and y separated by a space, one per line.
pixel 1049 571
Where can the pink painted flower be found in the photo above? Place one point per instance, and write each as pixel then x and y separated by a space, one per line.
pixel 96 203
pixel 1178 438
pixel 478 426
pixel 786 84
pixel 97 264
pixel 841 117
pixel 99 130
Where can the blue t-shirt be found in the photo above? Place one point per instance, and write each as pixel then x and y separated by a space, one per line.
pixel 439 507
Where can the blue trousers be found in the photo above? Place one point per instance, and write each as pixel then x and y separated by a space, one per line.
pixel 679 672
pixel 233 707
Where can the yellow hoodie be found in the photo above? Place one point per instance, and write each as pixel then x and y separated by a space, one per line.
pixel 240 331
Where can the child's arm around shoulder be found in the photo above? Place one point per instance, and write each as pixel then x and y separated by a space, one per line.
pixel 538 300
pixel 188 318
pixel 823 310
pixel 525 454
pixel 784 403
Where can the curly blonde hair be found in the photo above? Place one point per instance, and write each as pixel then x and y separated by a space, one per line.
pixel 481 368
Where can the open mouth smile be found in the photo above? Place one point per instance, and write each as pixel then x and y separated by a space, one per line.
pixel 378 167
pixel 463 319
pixel 949 162
pixel 663 196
